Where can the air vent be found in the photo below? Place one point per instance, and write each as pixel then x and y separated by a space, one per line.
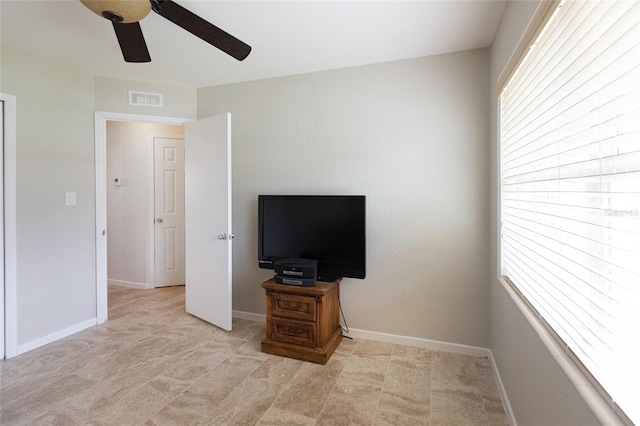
pixel 145 99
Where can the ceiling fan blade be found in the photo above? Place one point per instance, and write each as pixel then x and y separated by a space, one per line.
pixel 132 44
pixel 201 28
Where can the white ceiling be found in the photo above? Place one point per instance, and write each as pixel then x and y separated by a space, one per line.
pixel 287 37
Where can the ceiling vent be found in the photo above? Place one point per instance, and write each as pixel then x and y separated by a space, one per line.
pixel 145 99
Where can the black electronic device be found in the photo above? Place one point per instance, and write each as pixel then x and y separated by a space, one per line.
pixel 304 282
pixel 327 228
pixel 299 268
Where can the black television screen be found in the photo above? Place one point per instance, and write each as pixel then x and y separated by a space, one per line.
pixel 327 228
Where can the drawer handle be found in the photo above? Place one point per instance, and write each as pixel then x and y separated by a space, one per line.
pixel 287 305
pixel 292 333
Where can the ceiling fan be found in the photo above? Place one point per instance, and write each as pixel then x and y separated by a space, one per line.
pixel 127 14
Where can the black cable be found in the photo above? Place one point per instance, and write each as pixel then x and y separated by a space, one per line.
pixel 345 329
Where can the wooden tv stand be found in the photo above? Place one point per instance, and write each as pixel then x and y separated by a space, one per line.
pixel 303 322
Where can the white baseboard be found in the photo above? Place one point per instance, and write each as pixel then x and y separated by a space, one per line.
pixel 130 284
pixel 436 345
pixel 56 336
pixel 503 392
pixel 249 316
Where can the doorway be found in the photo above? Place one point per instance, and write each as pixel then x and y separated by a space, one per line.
pixel 101 119
pixel 209 248
pixel 145 204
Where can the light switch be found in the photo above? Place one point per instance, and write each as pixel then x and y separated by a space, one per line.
pixel 71 198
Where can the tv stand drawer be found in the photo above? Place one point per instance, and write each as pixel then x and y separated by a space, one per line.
pixel 290 331
pixel 293 306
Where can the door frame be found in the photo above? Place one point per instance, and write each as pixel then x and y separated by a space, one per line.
pixel 9 299
pixel 100 138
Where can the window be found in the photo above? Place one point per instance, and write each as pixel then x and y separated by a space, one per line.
pixel 570 187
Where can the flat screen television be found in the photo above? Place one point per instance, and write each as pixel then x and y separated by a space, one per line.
pixel 327 228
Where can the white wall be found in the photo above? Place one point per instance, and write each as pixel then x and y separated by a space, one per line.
pixel 539 391
pixel 129 214
pixel 55 243
pixel 413 136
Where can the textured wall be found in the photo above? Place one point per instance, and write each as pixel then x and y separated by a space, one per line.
pixel 410 135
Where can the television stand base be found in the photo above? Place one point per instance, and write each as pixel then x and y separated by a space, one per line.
pixel 302 322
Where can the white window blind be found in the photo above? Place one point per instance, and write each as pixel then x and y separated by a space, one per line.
pixel 570 179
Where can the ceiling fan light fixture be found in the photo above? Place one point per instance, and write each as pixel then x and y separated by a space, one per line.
pixel 129 11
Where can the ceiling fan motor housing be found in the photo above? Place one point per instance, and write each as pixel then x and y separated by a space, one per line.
pixel 120 11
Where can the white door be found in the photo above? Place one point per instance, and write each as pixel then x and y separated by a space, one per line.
pixel 208 233
pixel 169 212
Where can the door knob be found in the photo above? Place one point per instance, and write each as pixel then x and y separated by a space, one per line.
pixel 222 236
pixel 159 220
